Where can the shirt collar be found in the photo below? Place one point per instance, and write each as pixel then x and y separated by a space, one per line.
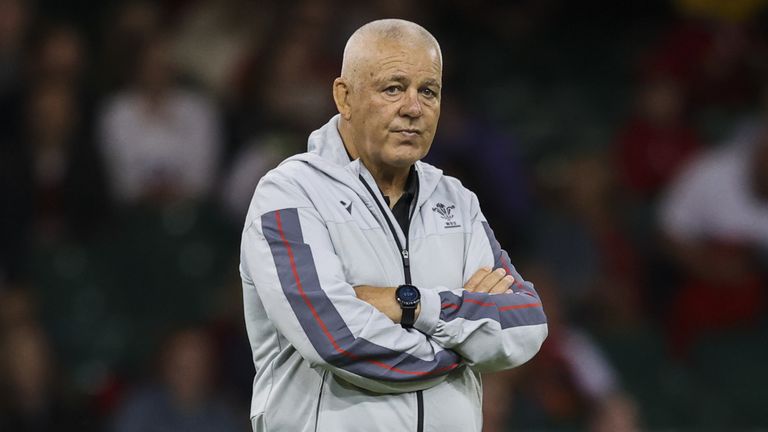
pixel 411 186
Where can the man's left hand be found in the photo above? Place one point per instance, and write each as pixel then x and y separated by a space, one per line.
pixel 487 280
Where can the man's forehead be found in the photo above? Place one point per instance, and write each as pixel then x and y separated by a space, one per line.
pixel 391 56
pixel 407 47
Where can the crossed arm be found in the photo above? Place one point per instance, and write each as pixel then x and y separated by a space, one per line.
pixel 485 280
pixel 289 262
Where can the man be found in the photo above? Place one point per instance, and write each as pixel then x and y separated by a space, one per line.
pixel 185 399
pixel 721 196
pixel 714 218
pixel 370 299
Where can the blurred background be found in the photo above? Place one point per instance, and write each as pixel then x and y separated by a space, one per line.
pixel 619 149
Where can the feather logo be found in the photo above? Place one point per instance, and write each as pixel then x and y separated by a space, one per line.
pixel 446 212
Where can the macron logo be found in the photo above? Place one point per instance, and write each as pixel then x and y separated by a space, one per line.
pixel 347 206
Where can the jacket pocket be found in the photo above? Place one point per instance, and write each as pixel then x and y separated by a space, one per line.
pixel 346 408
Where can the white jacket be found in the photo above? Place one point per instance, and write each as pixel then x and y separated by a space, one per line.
pixel 327 361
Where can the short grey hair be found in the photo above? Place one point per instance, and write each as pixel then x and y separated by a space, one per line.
pixel 384 29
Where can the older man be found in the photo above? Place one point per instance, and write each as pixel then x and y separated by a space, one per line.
pixel 371 298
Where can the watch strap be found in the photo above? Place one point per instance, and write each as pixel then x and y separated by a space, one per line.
pixel 408 318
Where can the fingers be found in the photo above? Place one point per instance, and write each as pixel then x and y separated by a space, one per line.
pixel 490 280
pixel 503 286
pixel 476 278
pixel 495 282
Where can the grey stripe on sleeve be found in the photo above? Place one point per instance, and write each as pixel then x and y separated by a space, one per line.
pixel 321 321
pixel 509 310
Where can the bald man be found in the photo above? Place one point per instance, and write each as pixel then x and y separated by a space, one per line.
pixel 375 292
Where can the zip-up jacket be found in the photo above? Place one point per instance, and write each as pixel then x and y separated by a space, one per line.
pixel 327 361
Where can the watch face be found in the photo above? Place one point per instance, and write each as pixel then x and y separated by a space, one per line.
pixel 408 295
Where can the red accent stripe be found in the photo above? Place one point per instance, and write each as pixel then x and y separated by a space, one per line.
pixel 501 309
pixel 522 306
pixel 478 302
pixel 322 325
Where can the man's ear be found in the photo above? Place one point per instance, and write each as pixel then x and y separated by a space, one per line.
pixel 341 97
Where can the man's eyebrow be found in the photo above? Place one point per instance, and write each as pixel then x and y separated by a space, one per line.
pixel 405 80
pixel 397 77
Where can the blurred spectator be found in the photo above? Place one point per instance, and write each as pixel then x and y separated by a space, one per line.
pixel 161 142
pixel 186 398
pixel 285 83
pixel 14 15
pixel 16 307
pixel 259 155
pixel 280 92
pixel 60 56
pixel 32 399
pixel 64 167
pixel 584 242
pixel 656 141
pixel 53 184
pixel 715 216
pixel 236 369
pixel 214 38
pixel 125 31
pixel 466 142
pixel 570 382
pixel 722 195
pixel 711 57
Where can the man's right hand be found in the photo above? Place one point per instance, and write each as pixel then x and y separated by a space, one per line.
pixel 490 281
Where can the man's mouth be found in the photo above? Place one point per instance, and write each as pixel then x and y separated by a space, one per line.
pixel 407 132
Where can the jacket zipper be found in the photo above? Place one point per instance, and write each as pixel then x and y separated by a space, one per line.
pixel 319 401
pixel 407 273
pixel 403 250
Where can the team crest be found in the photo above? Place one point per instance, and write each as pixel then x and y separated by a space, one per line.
pixel 445 212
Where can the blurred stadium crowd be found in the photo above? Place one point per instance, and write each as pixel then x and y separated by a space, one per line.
pixel 619 150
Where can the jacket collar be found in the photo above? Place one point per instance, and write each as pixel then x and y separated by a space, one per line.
pixel 326 142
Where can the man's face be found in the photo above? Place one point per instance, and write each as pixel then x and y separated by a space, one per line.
pixel 395 104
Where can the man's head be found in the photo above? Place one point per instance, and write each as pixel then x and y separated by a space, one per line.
pixel 388 94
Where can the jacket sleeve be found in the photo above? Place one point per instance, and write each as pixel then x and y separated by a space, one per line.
pixel 491 332
pixel 288 256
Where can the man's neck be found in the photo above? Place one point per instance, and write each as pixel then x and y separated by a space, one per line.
pixel 390 180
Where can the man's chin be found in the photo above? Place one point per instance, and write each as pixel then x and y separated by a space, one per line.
pixel 403 161
pixel 404 155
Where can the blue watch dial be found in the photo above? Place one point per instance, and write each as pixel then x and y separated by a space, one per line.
pixel 408 295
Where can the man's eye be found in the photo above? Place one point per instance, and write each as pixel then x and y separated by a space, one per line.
pixel 392 90
pixel 428 93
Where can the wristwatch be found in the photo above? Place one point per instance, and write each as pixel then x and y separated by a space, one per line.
pixel 409 297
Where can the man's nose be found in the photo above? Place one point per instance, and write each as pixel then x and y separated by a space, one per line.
pixel 411 106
